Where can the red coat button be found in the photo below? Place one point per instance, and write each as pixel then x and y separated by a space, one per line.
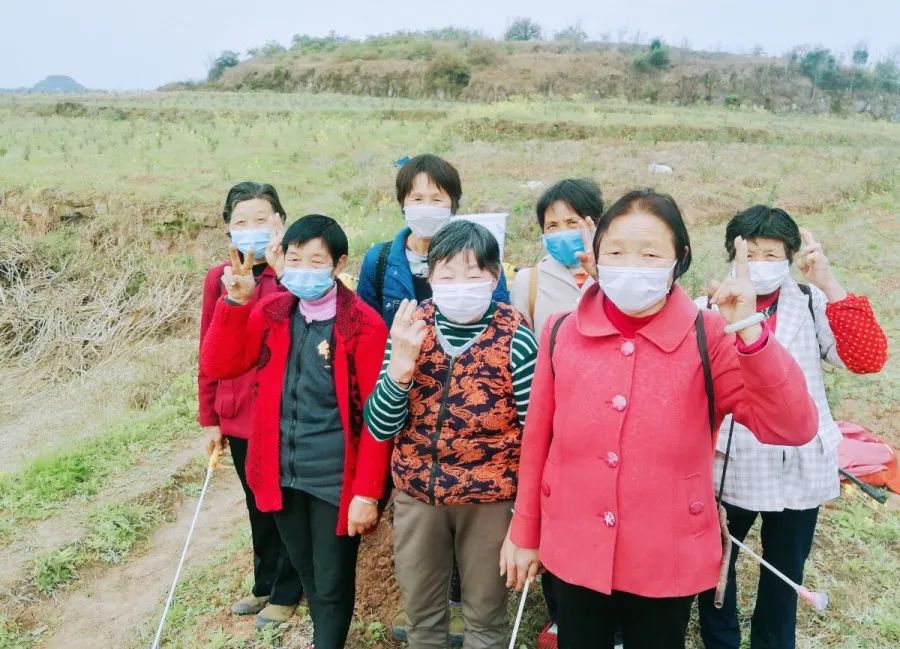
pixel 696 508
pixel 612 460
pixel 545 489
pixel 619 403
pixel 609 518
pixel 627 348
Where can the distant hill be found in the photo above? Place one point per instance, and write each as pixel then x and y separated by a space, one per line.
pixel 58 83
pixel 465 66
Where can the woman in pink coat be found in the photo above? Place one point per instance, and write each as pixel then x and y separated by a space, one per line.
pixel 615 486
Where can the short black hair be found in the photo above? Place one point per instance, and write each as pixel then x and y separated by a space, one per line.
pixel 443 174
pixel 460 236
pixel 582 195
pixel 663 207
pixel 249 190
pixel 317 226
pixel 763 221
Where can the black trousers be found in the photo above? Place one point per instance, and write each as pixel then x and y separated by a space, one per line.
pixel 587 619
pixel 786 541
pixel 273 574
pixel 326 563
pixel 549 589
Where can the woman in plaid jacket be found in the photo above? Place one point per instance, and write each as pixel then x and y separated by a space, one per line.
pixel 786 485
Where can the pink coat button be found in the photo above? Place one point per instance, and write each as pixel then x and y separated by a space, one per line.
pixel 619 403
pixel 627 348
pixel 696 508
pixel 609 518
pixel 612 460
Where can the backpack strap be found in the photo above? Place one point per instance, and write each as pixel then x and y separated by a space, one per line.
pixel 380 270
pixel 532 291
pixel 553 332
pixel 807 291
pixel 710 397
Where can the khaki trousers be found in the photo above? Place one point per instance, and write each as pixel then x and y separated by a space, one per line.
pixel 426 538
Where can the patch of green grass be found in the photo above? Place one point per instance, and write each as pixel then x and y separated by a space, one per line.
pixel 13 636
pixel 82 469
pixel 113 531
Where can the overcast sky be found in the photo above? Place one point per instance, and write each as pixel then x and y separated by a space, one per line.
pixel 121 44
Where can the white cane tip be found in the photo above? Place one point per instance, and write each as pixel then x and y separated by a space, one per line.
pixel 817 600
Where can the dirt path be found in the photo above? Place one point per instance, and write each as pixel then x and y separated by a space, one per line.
pixel 33 540
pixel 109 606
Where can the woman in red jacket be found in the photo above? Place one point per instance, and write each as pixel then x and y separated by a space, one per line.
pixel 250 209
pixel 615 490
pixel 318 351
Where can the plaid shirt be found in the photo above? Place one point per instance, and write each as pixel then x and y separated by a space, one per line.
pixel 764 477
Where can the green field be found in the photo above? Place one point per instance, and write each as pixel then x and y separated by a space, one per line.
pixel 110 213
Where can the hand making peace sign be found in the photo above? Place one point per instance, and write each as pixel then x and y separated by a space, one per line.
pixel 274 251
pixel 736 296
pixel 813 263
pixel 407 336
pixel 238 277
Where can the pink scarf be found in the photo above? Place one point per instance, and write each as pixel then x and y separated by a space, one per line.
pixel 321 309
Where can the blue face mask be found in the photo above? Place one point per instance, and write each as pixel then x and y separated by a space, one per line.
pixel 562 246
pixel 307 283
pixel 256 239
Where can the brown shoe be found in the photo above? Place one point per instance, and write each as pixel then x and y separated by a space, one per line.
pixel 274 614
pixel 249 605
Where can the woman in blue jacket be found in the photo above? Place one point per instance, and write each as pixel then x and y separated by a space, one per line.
pixel 428 190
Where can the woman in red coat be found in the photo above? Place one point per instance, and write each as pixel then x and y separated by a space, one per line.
pixel 615 486
pixel 225 406
pixel 318 350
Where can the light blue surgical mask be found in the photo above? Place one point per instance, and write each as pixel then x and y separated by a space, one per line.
pixel 564 245
pixel 308 283
pixel 255 239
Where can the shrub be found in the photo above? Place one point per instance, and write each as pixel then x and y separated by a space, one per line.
pixel 225 60
pixel 523 29
pixel 656 58
pixel 447 74
pixel 482 54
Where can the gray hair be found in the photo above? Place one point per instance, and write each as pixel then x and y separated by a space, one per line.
pixel 461 236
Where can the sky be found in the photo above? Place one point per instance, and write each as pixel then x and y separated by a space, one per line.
pixel 120 45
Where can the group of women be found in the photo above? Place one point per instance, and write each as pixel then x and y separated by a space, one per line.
pixel 570 429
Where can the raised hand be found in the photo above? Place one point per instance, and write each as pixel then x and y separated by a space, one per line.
pixel 407 336
pixel 813 263
pixel 238 277
pixel 736 296
pixel 274 251
pixel 586 258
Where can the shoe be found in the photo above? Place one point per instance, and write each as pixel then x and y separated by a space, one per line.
pixel 548 637
pixel 617 638
pixel 400 626
pixel 457 629
pixel 274 614
pixel 249 605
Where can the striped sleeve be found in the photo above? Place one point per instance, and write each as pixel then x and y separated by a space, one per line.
pixel 522 360
pixel 387 408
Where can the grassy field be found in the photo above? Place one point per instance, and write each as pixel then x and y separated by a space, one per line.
pixel 109 215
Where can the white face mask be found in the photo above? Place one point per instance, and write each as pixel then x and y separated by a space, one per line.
pixel 634 289
pixel 426 220
pixel 462 303
pixel 767 276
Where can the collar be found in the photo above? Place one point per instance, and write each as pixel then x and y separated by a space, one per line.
pixel 667 330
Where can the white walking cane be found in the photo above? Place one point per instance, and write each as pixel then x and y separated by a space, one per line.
pixel 818 600
pixel 210 467
pixel 515 633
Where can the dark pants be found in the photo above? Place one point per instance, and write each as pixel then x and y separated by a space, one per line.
pixel 326 563
pixel 786 541
pixel 548 586
pixel 588 619
pixel 273 574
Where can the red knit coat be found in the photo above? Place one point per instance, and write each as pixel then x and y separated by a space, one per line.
pixel 259 334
